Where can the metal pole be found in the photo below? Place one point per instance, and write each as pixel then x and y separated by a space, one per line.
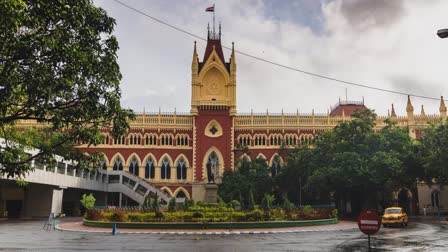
pixel 213 19
pixel 369 241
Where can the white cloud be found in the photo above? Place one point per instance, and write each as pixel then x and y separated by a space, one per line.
pixel 392 46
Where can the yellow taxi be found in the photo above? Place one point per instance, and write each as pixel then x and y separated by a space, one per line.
pixel 394 216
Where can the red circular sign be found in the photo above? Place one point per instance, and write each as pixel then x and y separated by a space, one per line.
pixel 369 222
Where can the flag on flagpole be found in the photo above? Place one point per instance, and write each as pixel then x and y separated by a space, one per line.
pixel 211 8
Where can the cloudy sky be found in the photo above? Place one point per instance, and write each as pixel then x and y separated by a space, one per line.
pixel 382 43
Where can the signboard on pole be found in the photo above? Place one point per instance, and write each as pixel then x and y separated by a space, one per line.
pixel 369 222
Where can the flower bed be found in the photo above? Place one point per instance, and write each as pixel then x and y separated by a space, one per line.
pixel 201 214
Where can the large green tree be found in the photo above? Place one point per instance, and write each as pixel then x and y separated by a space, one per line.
pixel 355 162
pixel 58 66
pixel 250 176
pixel 433 150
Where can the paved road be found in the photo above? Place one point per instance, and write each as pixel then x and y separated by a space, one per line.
pixel 420 235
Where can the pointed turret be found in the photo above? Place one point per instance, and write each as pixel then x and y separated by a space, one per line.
pixel 392 113
pixel 422 112
pixel 410 109
pixel 442 108
pixel 232 60
pixel 195 62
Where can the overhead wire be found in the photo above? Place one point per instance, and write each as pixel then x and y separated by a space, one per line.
pixel 275 63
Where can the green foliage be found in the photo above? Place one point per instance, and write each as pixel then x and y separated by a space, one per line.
pixel 334 213
pixel 307 210
pixel 172 204
pixel 267 202
pixel 88 201
pixel 117 216
pixel 235 204
pixel 221 201
pixel 254 215
pixel 208 214
pixel 353 162
pixel 187 204
pixel 287 205
pixel 198 214
pixel 251 203
pixel 251 175
pixel 155 204
pixel 433 152
pixel 93 214
pixel 60 70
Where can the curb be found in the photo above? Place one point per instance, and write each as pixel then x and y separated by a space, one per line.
pixel 210 233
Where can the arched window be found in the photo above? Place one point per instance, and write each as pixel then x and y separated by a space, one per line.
pixel 275 166
pixel 212 166
pixel 181 194
pixel 133 166
pixel 118 164
pixel 181 169
pixel 165 170
pixel 150 169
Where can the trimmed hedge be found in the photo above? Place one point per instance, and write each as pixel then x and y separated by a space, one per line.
pixel 211 225
pixel 215 214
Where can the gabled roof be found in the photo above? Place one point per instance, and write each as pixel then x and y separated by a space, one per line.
pixel 347 108
pixel 216 43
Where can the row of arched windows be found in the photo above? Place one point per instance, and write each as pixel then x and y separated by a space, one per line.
pixel 149 139
pixel 150 167
pixel 275 139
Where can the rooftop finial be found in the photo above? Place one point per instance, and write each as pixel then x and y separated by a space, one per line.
pixel 442 107
pixel 409 107
pixel 422 112
pixel 393 111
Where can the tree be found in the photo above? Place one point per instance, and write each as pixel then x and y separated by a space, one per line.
pixel 251 202
pixel 354 162
pixel 58 67
pixel 250 176
pixel 433 151
pixel 88 201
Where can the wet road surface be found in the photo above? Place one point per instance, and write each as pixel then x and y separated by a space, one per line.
pixel 420 235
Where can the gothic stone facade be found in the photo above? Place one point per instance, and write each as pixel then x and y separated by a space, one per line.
pixel 182 153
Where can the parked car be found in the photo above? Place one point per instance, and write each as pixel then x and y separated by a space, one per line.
pixel 394 216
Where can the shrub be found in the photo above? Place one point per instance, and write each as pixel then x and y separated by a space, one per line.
pixel 251 205
pixel 254 215
pixel 88 201
pixel 117 216
pixel 266 202
pixel 308 210
pixel 94 215
pixel 198 214
pixel 235 204
pixel 172 205
pixel 134 217
pixel 334 213
pixel 287 205
pixel 155 205
pixel 159 215
pixel 187 204
pixel 221 202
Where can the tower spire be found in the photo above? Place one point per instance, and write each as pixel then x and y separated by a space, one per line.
pixel 409 107
pixel 442 108
pixel 393 111
pixel 422 112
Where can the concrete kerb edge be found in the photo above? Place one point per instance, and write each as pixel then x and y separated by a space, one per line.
pixel 210 232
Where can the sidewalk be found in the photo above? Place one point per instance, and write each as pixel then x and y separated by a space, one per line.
pixel 79 227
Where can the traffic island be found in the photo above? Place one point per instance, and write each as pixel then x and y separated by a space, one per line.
pixel 80 227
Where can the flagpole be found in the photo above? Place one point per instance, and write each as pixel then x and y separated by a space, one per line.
pixel 213 19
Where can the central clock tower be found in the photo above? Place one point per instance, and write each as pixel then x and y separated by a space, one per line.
pixel 213 106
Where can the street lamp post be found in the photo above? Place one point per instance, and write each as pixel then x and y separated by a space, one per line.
pixel 442 33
